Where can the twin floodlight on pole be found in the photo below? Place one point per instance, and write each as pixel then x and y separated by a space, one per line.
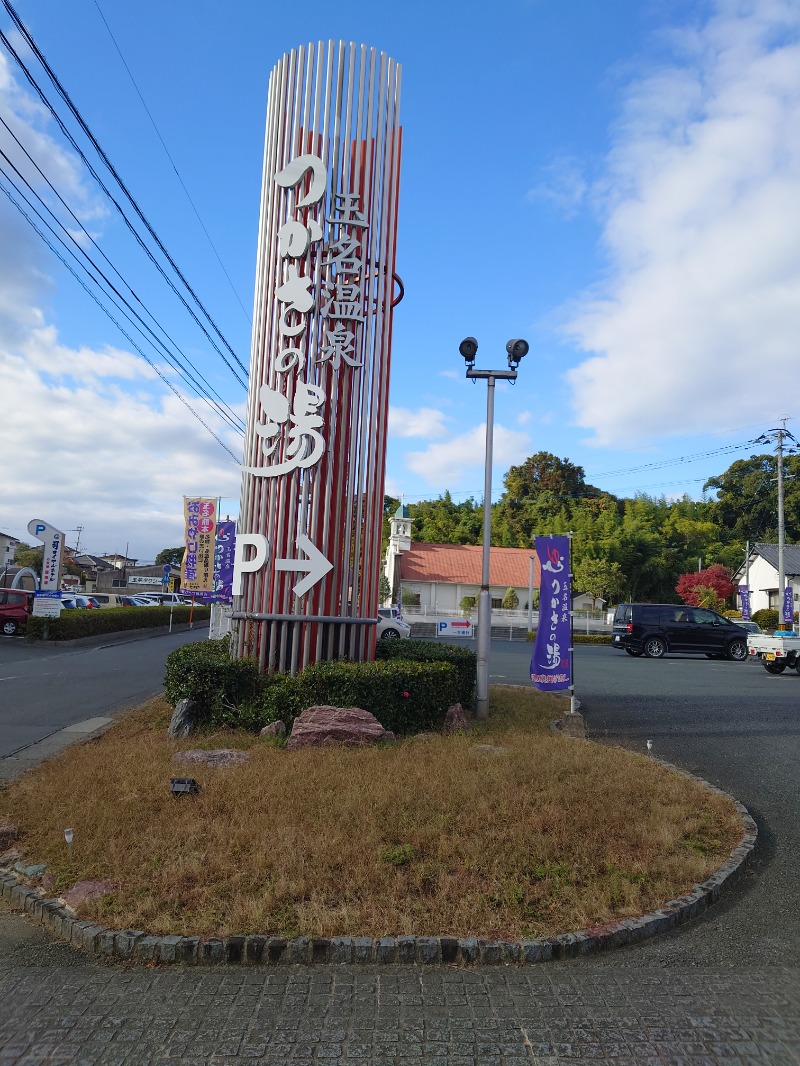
pixel 517 349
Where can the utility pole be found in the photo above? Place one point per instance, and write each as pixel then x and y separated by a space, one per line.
pixel 778 435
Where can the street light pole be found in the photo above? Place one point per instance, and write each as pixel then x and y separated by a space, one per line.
pixel 778 434
pixel 468 348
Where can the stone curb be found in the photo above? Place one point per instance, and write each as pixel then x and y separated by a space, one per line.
pixel 137 946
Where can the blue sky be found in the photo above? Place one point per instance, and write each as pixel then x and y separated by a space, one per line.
pixel 618 182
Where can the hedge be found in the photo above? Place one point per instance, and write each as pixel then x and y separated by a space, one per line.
pixel 464 660
pixel 404 695
pixel 580 638
pixel 73 624
pixel 766 618
pixel 205 673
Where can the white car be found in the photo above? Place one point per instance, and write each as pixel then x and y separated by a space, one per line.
pixel 391 628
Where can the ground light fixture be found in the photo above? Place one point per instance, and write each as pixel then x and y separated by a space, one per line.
pixel 516 349
pixel 183 786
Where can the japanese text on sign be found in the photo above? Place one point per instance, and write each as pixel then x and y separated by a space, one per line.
pixel 293 409
pixel 197 567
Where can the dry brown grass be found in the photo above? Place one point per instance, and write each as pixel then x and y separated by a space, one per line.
pixel 428 836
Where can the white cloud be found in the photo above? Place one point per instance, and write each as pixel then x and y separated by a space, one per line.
pixel 90 437
pixel 562 184
pixel 524 417
pixel 425 422
pixel 700 313
pixel 443 464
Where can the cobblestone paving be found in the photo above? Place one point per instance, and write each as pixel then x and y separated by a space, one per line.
pixel 99 1015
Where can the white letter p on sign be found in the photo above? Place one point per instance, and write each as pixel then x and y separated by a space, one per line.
pixel 255 562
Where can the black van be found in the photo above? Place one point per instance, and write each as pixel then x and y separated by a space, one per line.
pixel 653 629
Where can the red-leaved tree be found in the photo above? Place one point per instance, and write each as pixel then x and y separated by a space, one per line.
pixel 706 588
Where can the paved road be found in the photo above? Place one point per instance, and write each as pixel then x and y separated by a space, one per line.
pixel 725 990
pixel 44 688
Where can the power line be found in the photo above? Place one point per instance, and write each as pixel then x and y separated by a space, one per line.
pixel 79 118
pixel 172 161
pixel 105 310
pixel 200 390
pixel 674 462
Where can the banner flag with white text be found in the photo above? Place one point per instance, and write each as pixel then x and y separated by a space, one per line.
pixel 550 664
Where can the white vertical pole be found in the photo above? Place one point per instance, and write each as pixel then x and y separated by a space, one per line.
pixel 530 596
pixel 572 701
pixel 484 600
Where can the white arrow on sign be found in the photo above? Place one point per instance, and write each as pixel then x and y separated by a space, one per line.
pixel 316 565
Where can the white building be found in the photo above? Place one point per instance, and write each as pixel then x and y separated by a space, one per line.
pixel 763 575
pixel 441 575
pixel 8 545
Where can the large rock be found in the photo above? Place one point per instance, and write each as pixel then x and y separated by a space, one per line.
pixel 8 834
pixel 219 757
pixel 455 721
pixel 85 890
pixel 182 723
pixel 350 726
pixel 274 729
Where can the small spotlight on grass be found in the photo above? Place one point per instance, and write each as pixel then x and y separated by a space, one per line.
pixel 181 786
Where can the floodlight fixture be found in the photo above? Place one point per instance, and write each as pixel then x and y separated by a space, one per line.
pixel 469 349
pixel 517 349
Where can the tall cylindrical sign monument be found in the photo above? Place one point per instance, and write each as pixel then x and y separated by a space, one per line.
pixel 308 547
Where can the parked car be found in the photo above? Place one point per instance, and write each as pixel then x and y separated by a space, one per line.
pixel 15 607
pixel 85 603
pixel 653 629
pixel 748 627
pixel 129 601
pixel 107 599
pixel 174 599
pixel 392 628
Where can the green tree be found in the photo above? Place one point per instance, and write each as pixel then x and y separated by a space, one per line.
pixel 599 578
pixel 746 505
pixel 443 521
pixel 511 600
pixel 172 556
pixel 384 588
pixel 542 495
pixel 27 555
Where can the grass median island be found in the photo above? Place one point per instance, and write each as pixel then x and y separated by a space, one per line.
pixel 508 831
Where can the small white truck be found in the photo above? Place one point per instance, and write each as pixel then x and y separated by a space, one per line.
pixel 775 650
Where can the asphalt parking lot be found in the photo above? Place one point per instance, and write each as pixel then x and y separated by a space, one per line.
pixel 722 990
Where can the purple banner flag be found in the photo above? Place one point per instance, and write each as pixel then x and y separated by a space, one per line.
pixel 550 664
pixel 224 549
pixel 788 604
pixel 744 596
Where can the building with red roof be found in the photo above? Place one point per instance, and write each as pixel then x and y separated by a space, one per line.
pixel 443 574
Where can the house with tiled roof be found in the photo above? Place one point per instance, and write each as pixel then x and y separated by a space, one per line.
pixel 762 575
pixel 443 574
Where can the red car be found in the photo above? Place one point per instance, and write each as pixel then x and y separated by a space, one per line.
pixel 15 607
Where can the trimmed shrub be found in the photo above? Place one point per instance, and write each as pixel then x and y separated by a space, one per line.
pixel 578 638
pixel 766 618
pixel 405 697
pixel 464 660
pixel 222 689
pixel 74 624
